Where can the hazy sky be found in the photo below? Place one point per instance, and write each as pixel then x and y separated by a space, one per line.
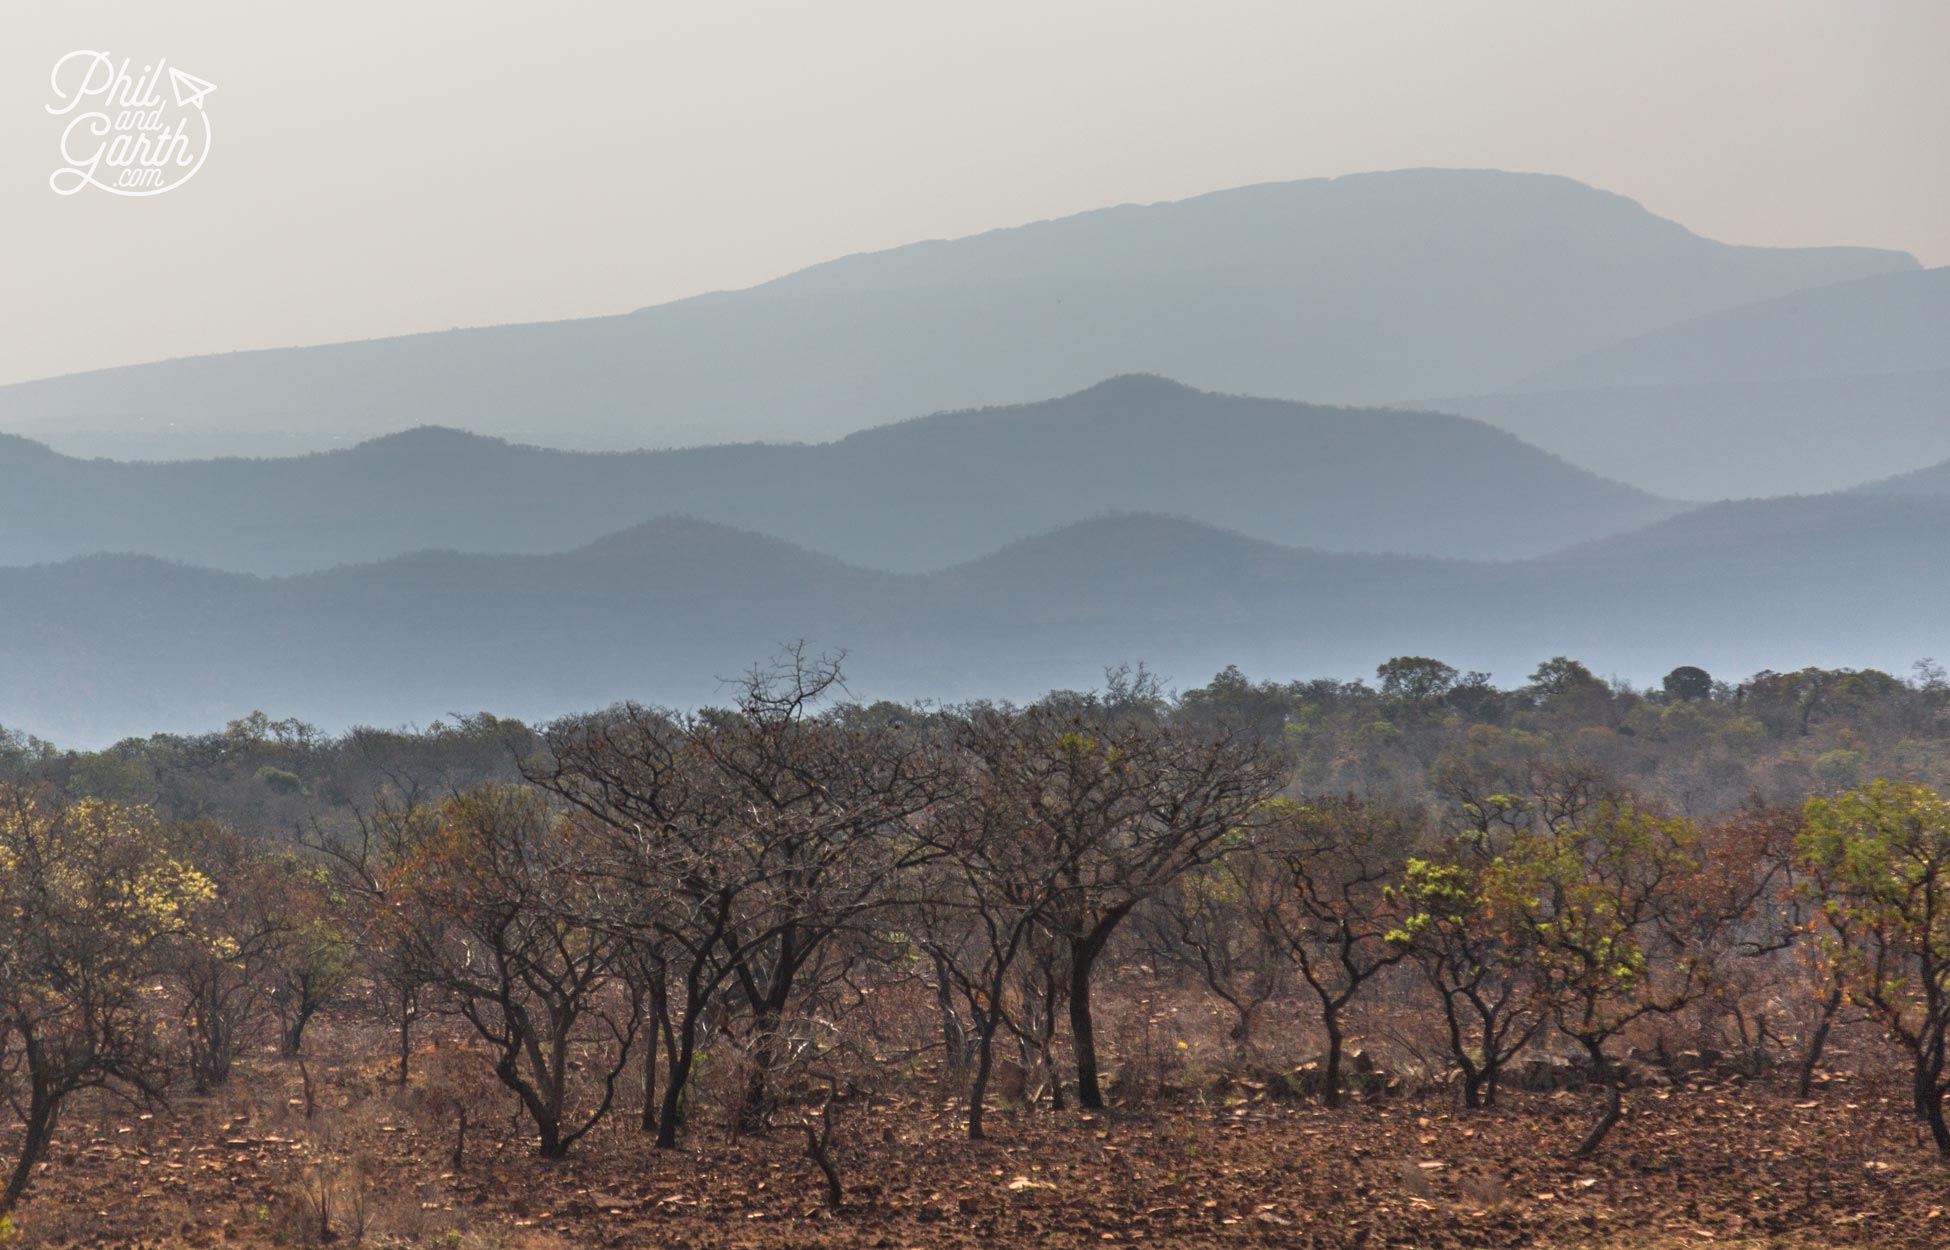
pixel 380 167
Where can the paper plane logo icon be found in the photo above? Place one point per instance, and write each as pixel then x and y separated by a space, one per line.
pixel 122 135
pixel 190 89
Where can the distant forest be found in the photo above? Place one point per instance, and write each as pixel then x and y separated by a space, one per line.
pixel 1697 743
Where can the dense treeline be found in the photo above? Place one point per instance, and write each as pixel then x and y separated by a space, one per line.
pixel 795 900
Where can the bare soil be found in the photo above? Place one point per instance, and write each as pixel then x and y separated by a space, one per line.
pixel 1716 1162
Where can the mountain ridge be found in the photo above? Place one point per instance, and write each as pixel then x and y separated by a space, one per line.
pixel 1887 323
pixel 1360 289
pixel 907 496
pixel 1734 439
pixel 661 612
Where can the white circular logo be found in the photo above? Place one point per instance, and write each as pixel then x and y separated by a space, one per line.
pixel 124 135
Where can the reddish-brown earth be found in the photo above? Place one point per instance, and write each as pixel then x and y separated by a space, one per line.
pixel 1714 1163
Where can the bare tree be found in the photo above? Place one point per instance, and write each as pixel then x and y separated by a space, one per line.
pixel 1203 926
pixel 742 841
pixel 1122 806
pixel 499 887
pixel 980 902
pixel 1320 885
pixel 365 865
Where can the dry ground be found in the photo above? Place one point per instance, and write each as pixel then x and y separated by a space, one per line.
pixel 1718 1163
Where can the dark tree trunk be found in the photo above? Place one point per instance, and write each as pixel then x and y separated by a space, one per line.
pixel 542 1110
pixel 819 1143
pixel 291 1039
pixel 1083 1032
pixel 37 1132
pixel 1933 1116
pixel 1614 1103
pixel 678 1077
pixel 979 1088
pixel 755 1105
pixel 1614 1108
pixel 649 1124
pixel 1925 1098
pixel 1818 1041
pixel 1046 1040
pixel 1331 1093
pixel 954 1039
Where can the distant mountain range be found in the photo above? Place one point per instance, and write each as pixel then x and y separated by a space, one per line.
pixel 106 646
pixel 1890 323
pixel 1362 289
pixel 505 553
pixel 1930 480
pixel 1811 391
pixel 1732 440
pixel 914 496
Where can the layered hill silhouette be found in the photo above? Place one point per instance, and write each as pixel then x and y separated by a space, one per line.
pixel 1890 323
pixel 106 646
pixel 1930 480
pixel 913 496
pixel 1360 289
pixel 1723 440
pixel 1812 391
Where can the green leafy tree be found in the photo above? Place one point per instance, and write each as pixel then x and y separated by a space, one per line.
pixel 313 956
pixel 1688 683
pixel 90 898
pixel 1415 679
pixel 221 963
pixel 1559 676
pixel 1877 860
pixel 1479 967
pixel 1607 909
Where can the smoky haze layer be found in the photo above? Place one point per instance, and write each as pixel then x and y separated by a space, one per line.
pixel 1359 289
pixel 108 646
pixel 1727 440
pixel 1931 480
pixel 1891 323
pixel 1814 390
pixel 908 497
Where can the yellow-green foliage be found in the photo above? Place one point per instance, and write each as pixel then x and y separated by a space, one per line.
pixel 1587 899
pixel 1877 861
pixel 98 872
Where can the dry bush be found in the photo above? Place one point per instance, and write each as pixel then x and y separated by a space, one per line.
pixel 327 1202
pixel 1149 1053
pixel 453 1096
pixel 48 1225
pixel 1486 1192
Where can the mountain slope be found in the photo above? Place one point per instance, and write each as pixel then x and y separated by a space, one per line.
pixel 1890 323
pixel 1931 480
pixel 1725 440
pixel 107 646
pixel 921 494
pixel 1348 290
